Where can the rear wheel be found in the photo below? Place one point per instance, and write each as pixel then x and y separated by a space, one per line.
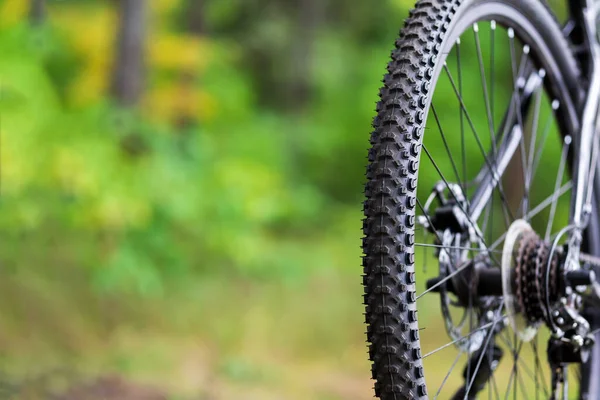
pixel 477 91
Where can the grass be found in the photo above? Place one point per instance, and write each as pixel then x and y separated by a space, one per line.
pixel 214 335
pixel 208 336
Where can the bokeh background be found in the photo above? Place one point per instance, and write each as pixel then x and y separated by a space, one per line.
pixel 181 188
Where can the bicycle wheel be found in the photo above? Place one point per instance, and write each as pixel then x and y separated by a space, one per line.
pixel 477 91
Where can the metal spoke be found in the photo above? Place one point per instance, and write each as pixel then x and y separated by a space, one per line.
pixel 443 248
pixel 512 379
pixel 480 145
pixel 559 177
pixel 534 164
pixel 538 155
pixel 481 328
pixel 566 384
pixel 462 121
pixel 424 268
pixel 470 311
pixel 444 279
pixel 484 86
pixel 437 246
pixel 516 97
pixel 521 386
pixel 485 346
pixel 437 120
pixel 486 217
pixel 534 129
pixel 495 384
pixel 537 367
pixel 489 105
pixel 538 209
pixel 538 363
pixel 473 224
pixel 492 66
pixel 489 380
pixel 526 369
pixel 460 353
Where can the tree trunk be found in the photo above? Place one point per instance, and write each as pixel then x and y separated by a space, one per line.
pixel 309 15
pixel 37 12
pixel 196 22
pixel 129 71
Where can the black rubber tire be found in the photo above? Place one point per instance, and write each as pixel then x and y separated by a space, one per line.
pixel 388 245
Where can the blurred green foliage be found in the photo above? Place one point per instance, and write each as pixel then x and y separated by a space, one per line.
pixel 226 205
pixel 232 190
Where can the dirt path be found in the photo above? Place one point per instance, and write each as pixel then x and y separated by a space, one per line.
pixel 113 387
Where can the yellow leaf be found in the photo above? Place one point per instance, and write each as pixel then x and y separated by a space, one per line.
pixel 92 36
pixel 13 11
pixel 161 7
pixel 179 52
pixel 180 100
